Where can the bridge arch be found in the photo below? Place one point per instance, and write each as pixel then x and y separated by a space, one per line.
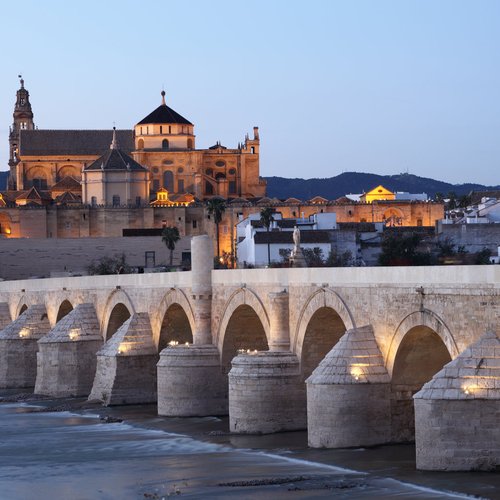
pixel 426 318
pixel 323 306
pixel 65 307
pixel 22 305
pixel 244 324
pixel 421 346
pixel 118 309
pixel 174 319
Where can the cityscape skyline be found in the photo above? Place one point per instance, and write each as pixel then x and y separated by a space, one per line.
pixel 383 88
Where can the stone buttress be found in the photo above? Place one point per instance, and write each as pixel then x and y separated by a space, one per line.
pixel 5 318
pixel 190 380
pixel 126 365
pixel 66 359
pixel 19 346
pixel 348 394
pixel 457 413
pixel 266 391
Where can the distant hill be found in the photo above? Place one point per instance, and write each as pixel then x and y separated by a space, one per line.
pixel 3 180
pixel 349 182
pixel 353 182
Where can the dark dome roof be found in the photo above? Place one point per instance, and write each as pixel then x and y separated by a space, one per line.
pixel 115 159
pixel 164 114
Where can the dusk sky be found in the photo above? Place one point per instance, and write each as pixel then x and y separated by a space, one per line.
pixel 368 86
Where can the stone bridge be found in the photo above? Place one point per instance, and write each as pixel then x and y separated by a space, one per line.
pixel 339 351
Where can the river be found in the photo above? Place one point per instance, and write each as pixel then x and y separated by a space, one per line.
pixel 78 456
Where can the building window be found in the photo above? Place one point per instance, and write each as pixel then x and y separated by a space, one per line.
pixel 140 144
pixel 164 144
pixel 209 172
pixel 93 201
pixel 195 224
pixel 156 185
pixel 190 143
pixel 137 201
pixel 209 188
pixel 232 187
pixel 161 129
pixel 252 150
pixel 420 222
pixel 22 101
pixel 168 180
pixel 180 186
pixel 169 129
pixel 116 200
pixel 141 130
pixel 40 183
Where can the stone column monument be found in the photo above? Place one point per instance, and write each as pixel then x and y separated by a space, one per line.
pixel 297 258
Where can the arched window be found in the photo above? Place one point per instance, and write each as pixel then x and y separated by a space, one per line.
pixel 164 144
pixel 209 172
pixel 190 143
pixel 140 144
pixel 209 188
pixel 168 180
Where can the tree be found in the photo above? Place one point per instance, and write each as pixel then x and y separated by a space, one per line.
pixel 266 218
pixel 401 249
pixel 216 208
pixel 170 236
pixel 109 265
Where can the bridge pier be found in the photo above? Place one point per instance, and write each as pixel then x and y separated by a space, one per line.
pixel 19 346
pixel 266 393
pixel 126 365
pixel 348 395
pixel 190 380
pixel 66 360
pixel 4 315
pixel 457 413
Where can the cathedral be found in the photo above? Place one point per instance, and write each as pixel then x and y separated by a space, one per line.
pixel 155 163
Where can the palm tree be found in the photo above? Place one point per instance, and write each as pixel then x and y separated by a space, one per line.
pixel 170 236
pixel 266 218
pixel 216 207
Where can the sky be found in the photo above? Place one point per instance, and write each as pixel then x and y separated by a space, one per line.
pixel 335 86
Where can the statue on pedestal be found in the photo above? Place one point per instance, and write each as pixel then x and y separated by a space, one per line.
pixel 297 258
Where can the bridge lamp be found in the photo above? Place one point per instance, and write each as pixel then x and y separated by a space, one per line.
pixel 173 343
pixel 74 333
pixel 24 333
pixel 356 372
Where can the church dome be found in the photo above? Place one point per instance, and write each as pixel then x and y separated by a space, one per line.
pixel 164 114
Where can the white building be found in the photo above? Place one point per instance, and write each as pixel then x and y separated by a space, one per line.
pixel 257 246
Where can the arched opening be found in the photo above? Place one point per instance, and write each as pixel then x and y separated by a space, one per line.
pixel 419 357
pixel 220 176
pixel 69 171
pixel 164 144
pixel 209 189
pixel 140 144
pixel 23 309
pixel 64 309
pixel 118 316
pixel 175 327
pixel 322 333
pixel 393 217
pixel 168 180
pixel 244 331
pixel 190 143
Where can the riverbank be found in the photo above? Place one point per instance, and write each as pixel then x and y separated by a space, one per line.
pixel 69 448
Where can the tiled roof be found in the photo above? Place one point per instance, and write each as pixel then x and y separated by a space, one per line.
pixel 308 236
pixel 67 184
pixel 72 142
pixel 164 114
pixel 115 159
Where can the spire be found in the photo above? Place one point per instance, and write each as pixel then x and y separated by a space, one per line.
pixel 163 98
pixel 114 142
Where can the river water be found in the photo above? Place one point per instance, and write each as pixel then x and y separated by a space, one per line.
pixel 76 456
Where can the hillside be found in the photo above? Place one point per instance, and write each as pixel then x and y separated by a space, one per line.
pixel 354 182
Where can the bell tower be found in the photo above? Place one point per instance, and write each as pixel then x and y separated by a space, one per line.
pixel 23 120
